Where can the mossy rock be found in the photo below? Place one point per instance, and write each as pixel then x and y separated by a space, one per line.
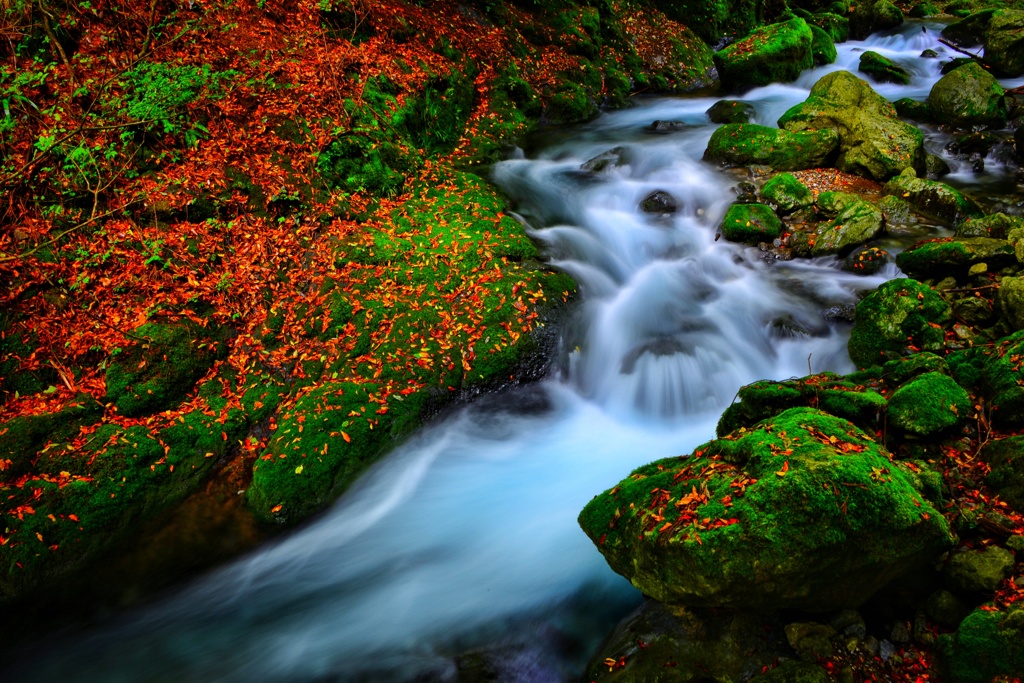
pixel 895 319
pixel 873 16
pixel 751 224
pixel 157 373
pixel 873 141
pixel 980 570
pixel 1011 301
pixel 1002 377
pixel 882 69
pixel 953 258
pixel 22 437
pixel 968 96
pixel 823 49
pixel 971 30
pixel 988 643
pixel 1004 43
pixel 908 108
pixel 700 646
pixel 1005 457
pixel 901 370
pixel 569 102
pixel 997 225
pixel 731 111
pixel 933 198
pixel 744 144
pixel 772 54
pixel 856 221
pixel 866 260
pixel 787 193
pixel 804 511
pixel 793 671
pixel 924 9
pixel 836 26
pixel 929 406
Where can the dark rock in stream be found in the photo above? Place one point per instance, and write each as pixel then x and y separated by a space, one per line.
pixel 613 158
pixel 730 111
pixel 660 202
pixel 666 127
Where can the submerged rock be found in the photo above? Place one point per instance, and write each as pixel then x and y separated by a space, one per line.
pixel 882 69
pixel 776 53
pixel 894 318
pixel 739 144
pixel 731 111
pixel 804 511
pixel 968 96
pixel 873 141
pixel 751 224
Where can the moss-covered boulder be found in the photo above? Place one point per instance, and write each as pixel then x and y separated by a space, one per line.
pixel 804 511
pixel 882 69
pixel 873 141
pixel 743 144
pixel 908 108
pixel 968 96
pixel 823 49
pixel 1005 457
pixel 1004 43
pixel 837 27
pixel 997 225
pixel 751 224
pixel 159 370
pixel 699 645
pixel 933 198
pixel 969 31
pixel 981 570
pixel 776 53
pixel 895 319
pixel 872 16
pixel 1011 301
pixel 924 9
pixel 1002 378
pixel 988 643
pixel 731 111
pixel 929 405
pixel 948 257
pixel 786 193
pixel 856 221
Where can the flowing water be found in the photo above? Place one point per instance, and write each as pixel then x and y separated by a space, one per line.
pixel 466 536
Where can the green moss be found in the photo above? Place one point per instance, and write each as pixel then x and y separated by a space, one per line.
pixel 771 54
pixel 155 374
pixel 855 221
pixel 929 405
pixel 751 224
pixel 22 437
pixel 945 258
pixel 882 70
pixel 895 319
pixel 823 49
pixel 822 519
pixel 570 102
pixel 968 96
pixel 1006 458
pixel 986 644
pixel 786 193
pixel 835 25
pixel 738 144
pixel 1003 379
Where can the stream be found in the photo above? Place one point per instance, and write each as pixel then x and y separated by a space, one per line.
pixel 465 537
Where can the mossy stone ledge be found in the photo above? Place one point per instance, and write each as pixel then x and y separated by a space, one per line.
pixel 743 144
pixel 804 511
pixel 776 53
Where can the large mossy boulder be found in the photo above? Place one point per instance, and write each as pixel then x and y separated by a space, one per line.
pixel 969 31
pixel 897 318
pixel 946 257
pixel 1011 301
pixel 823 49
pixel 929 405
pixel 837 27
pixel 1002 377
pixel 872 16
pixel 968 96
pixel 933 198
pixel 882 69
pixel 979 570
pixel 988 643
pixel 804 511
pixel 855 222
pixel 751 224
pixel 162 367
pixel 744 144
pixel 1004 43
pixel 873 141
pixel 776 53
pixel 1005 457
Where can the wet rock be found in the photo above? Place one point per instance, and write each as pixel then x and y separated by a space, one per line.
pixel 731 111
pixel 968 96
pixel 933 198
pixel 1004 43
pixel 896 316
pixel 751 224
pixel 954 63
pixel 924 9
pixel 950 257
pixel 929 405
pixel 823 49
pixel 856 221
pixel 977 144
pixel 1006 477
pixel 866 260
pixel 873 141
pixel 736 144
pixel 659 201
pixel 897 212
pixel 777 553
pixel 973 310
pixel 746 192
pixel 843 313
pixel 810 640
pixel 665 127
pixel 671 644
pixel 979 570
pixel 882 69
pixel 946 608
pixel 986 644
pixel 970 31
pixel 912 109
pixel 870 17
pixel 776 53
pixel 605 161
pixel 787 193
pixel 929 54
